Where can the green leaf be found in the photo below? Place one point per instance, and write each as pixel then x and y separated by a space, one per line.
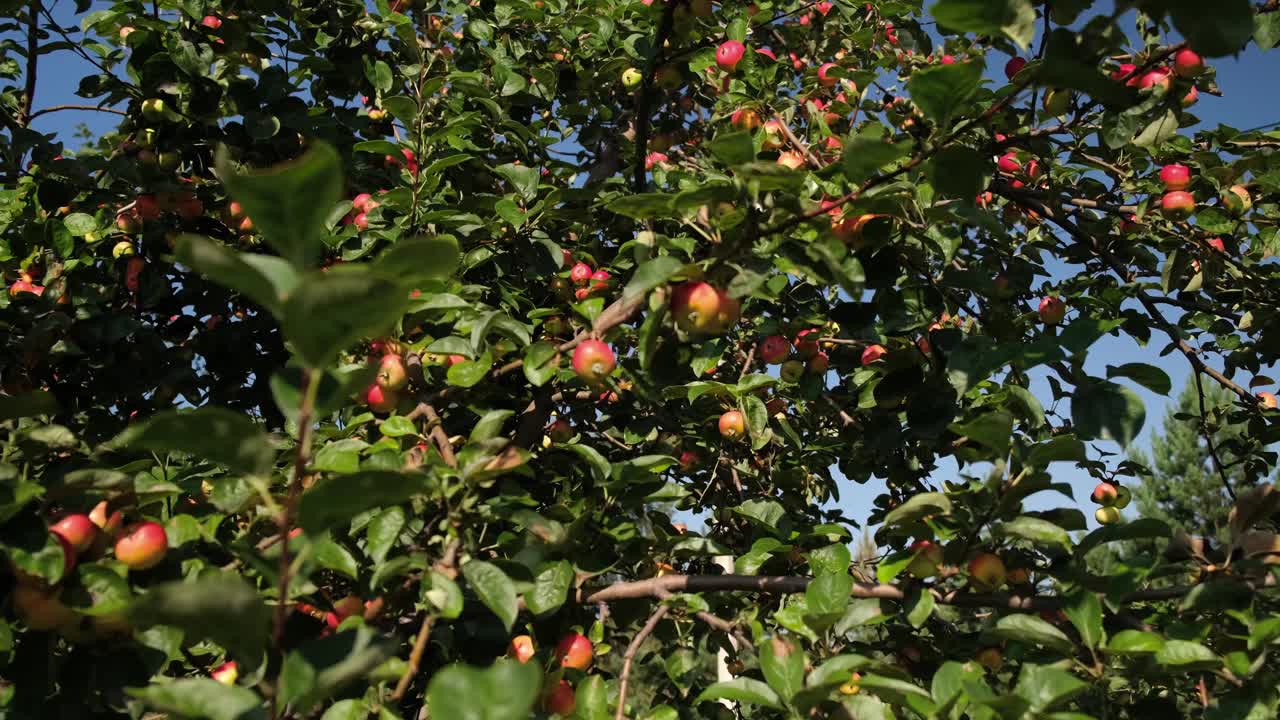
pixel 330 311
pixel 538 367
pixel 1105 410
pixel 469 372
pixel 383 531
pixel 1045 687
pixel 27 404
pixel 1135 642
pixel 1185 655
pixel 550 588
pixel 217 434
pixel 917 507
pixel 1085 612
pixel 595 461
pixel 1036 530
pixel 333 556
pixel 445 595
pixel 865 154
pixel 265 279
pixel 1148 376
pixel 415 261
pixel 919 606
pixel 898 692
pixel 1015 19
pixel 1266 30
pixel 221 607
pixel 203 699
pixel 959 172
pixel 79 224
pixel 1140 529
pixel 940 90
pixel 494 589
pixel 642 206
pixel 826 598
pixel 743 690
pixel 337 499
pixel 1031 629
pixel 650 275
pixel 397 426
pixel 523 179
pixel 290 203
pixel 324 666
pixel 992 429
pixel 1058 449
pixel 506 690
pixel 783 665
pixel 1225 31
pixel 733 148
pixel 591 700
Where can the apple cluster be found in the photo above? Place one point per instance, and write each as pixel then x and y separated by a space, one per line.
pixel 1111 499
pixel 571 657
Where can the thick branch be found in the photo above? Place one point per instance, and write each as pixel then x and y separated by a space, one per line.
pixel 625 678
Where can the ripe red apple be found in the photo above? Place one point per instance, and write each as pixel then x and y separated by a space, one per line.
pixel 143 546
pixel 1009 163
pixel 806 343
pixel 699 307
pixel 593 361
pixel 391 373
pixel 792 370
pixel 361 221
pixel 1178 205
pixel 986 572
pixel 381 400
pixel 227 673
pixel 948 60
pixel 791 159
pixel 689 460
pixel 745 119
pixel 1106 515
pixel 521 648
pixel 728 54
pixel 873 353
pixel 825 76
pixel 1268 400
pixel 560 431
pixel 40 608
pixel 1237 200
pixel 1186 63
pixel 1013 67
pixel 213 22
pixel 655 158
pixel 560 700
pixel 1192 96
pixel 1158 77
pixel 574 651
pixel 1052 310
pixel 732 425
pixel 772 135
pixel 146 207
pixel 580 274
pixel 108 524
pixel 774 349
pixel 1175 176
pixel 818 364
pixel 1104 494
pixel 77 529
pixel 1216 244
pixel 927 559
pixel 363 202
pixel 1126 72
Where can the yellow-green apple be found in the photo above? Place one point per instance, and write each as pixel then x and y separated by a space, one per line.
pixel 1178 205
pixel 873 353
pixel 631 78
pixel 852 686
pixel 1123 496
pixel 560 699
pixel 928 556
pixel 1052 310
pixel 227 673
pixel 574 651
pixel 732 425
pixel 986 572
pixel 521 648
pixel 40 608
pixel 728 54
pixel 381 400
pixel 77 529
pixel 745 119
pixel 1057 102
pixel 153 108
pixel 791 371
pixel 391 373
pixel 593 361
pixel 1104 494
pixel 143 546
pixel 1175 176
pixel 774 349
pixel 1237 200
pixel 1186 63
pixel 1107 516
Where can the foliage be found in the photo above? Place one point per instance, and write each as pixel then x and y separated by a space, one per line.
pixel 338 305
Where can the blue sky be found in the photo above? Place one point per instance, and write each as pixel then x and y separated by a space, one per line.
pixel 1249 100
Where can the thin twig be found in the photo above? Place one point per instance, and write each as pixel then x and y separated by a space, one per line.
pixel 33 61
pixel 89 108
pixel 1208 438
pixel 439 436
pixel 445 566
pixel 625 678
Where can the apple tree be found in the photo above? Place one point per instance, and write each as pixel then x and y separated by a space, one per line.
pixel 504 359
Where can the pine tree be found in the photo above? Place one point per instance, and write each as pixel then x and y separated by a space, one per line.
pixel 1183 487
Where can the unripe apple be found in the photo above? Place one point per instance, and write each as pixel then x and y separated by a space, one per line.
pixel 1052 310
pixel 873 353
pixel 391 373
pixel 143 546
pixel 732 425
pixel 1237 200
pixel 521 648
pixel 632 78
pixel 381 400
pixel 990 658
pixel 1106 515
pixel 124 248
pixel 1186 63
pixel 580 274
pixel 806 343
pixel 1178 205
pixel 126 31
pixel 792 370
pixel 1057 102
pixel 41 609
pixel 825 77
pixel 774 349
pixel 77 529
pixel 928 556
pixel 1123 496
pixel 574 651
pixel 227 673
pixel 986 572
pixel 560 431
pixel 593 361
pixel 745 119
pixel 560 700
pixel 1175 176
pixel 1104 494
pixel 1014 66
pixel 791 159
pixel 153 109
pixel 729 54
pixel 1267 400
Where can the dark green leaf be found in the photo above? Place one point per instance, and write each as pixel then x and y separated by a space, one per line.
pixel 220 607
pixel 203 699
pixel 1105 410
pixel 1142 528
pixel 1185 655
pixel 550 588
pixel 733 148
pixel 959 172
pixel 339 498
pixel 27 404
pixel 743 690
pixel 919 506
pixel 330 311
pixel 508 688
pixel 940 90
pixel 1225 31
pixel 324 666
pixel 211 433
pixel 416 260
pixel 866 154
pixel 1038 531
pixel 1015 19
pixel 1148 376
pixel 1045 687
pixel 264 279
pixel 651 274
pixel 494 589
pixel 1031 629
pixel 1085 612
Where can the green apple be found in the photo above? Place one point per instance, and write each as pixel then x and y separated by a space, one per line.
pixel 631 78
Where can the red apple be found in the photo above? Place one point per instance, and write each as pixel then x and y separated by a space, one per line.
pixel 806 343
pixel 1009 163
pixel 728 54
pixel 521 648
pixel 1104 494
pixel 1157 77
pixel 791 159
pixel 701 308
pixel 745 119
pixel 774 349
pixel 574 651
pixel 928 556
pixel 986 572
pixel 772 135
pixel 1014 66
pixel 990 658
pixel 391 373
pixel 560 700
pixel 213 22
pixel 593 361
pixel 825 77
pixel 1178 205
pixel 732 425
pixel 873 353
pixel 818 364
pixel 227 673
pixel 1267 400
pixel 689 460
pixel 1237 200
pixel 77 529
pixel 1126 72
pixel 1175 176
pixel 143 546
pixel 580 274
pixel 1052 310
pixel 1192 96
pixel 381 400
pixel 1186 63
pixel 1216 244
pixel 146 207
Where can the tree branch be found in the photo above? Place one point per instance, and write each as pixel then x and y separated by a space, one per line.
pixel 625 678
pixel 88 108
pixel 33 62
pixel 445 566
pixel 646 93
pixel 1208 439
